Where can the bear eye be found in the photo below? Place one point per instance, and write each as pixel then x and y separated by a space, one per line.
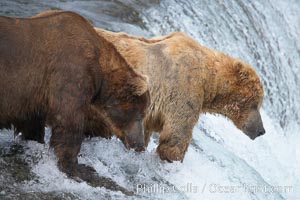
pixel 254 106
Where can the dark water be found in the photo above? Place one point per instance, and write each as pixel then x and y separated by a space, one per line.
pixel 263 33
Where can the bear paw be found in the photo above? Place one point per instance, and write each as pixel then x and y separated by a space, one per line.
pixel 89 174
pixel 170 154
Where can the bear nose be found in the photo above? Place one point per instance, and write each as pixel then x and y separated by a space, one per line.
pixel 261 132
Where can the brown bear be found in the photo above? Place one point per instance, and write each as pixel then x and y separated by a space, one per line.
pixel 57 71
pixel 187 79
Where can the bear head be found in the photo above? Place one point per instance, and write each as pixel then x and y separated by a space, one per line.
pixel 123 99
pixel 241 98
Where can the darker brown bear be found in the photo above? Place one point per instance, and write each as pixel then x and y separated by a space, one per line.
pixel 56 71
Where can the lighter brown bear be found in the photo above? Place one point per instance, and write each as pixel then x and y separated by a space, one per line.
pixel 187 79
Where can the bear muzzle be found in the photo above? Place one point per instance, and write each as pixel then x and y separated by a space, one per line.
pixel 134 136
pixel 253 127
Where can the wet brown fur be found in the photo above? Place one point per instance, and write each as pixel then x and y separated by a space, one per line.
pixel 57 71
pixel 187 79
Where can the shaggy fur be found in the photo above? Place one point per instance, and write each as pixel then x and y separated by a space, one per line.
pixel 187 79
pixel 56 71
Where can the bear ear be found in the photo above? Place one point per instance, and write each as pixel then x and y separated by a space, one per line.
pixel 241 70
pixel 139 85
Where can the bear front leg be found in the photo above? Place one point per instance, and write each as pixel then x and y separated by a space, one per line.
pixel 66 140
pixel 68 104
pixel 174 140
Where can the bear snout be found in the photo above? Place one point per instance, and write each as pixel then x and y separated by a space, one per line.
pixel 131 143
pixel 134 136
pixel 258 133
pixel 254 128
pixel 261 132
